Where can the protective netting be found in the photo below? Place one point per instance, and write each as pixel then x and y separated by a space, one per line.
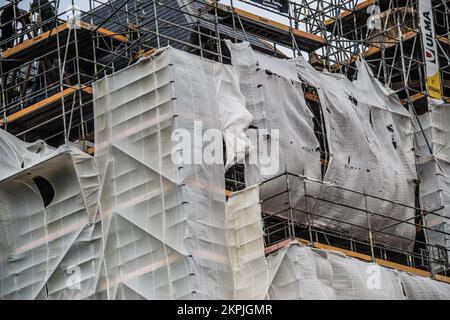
pixel 50 230
pixel 433 158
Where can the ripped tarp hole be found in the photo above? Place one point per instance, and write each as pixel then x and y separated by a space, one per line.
pixel 45 189
pixel 394 143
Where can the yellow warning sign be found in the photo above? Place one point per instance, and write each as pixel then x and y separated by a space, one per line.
pixel 434 86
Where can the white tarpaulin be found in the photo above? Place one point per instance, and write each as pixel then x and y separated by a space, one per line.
pixel 276 101
pixel 50 231
pixel 304 273
pixel 245 232
pixel 165 223
pixel 433 157
pixel 421 288
pixel 141 225
pixel 370 138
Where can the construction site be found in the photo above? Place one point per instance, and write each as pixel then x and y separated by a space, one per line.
pixel 350 98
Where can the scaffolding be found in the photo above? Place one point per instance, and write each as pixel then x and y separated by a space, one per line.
pixel 48 65
pixel 387 34
pixel 296 221
pixel 390 36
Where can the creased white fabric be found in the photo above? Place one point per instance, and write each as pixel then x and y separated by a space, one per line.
pixel 304 273
pixel 245 232
pixel 233 115
pixel 139 226
pixel 433 158
pixel 370 138
pixel 421 288
pixel 48 250
pixel 277 104
pixel 165 224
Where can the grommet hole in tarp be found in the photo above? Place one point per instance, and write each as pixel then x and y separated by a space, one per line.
pixel 45 189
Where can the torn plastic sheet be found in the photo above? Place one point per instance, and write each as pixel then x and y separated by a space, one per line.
pixel 50 231
pixel 433 158
pixel 304 273
pixel 243 56
pixel 165 224
pixel 370 138
pixel 276 101
pixel 17 155
pixel 421 288
pixel 246 244
pixel 233 115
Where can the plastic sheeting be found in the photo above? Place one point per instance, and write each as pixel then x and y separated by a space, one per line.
pixel 245 229
pixel 164 231
pixel 17 155
pixel 276 101
pixel 50 231
pixel 165 224
pixel 433 158
pixel 370 138
pixel 420 288
pixel 302 272
pixel 305 273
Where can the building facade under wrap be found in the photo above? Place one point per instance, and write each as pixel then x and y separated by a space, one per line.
pixel 133 222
